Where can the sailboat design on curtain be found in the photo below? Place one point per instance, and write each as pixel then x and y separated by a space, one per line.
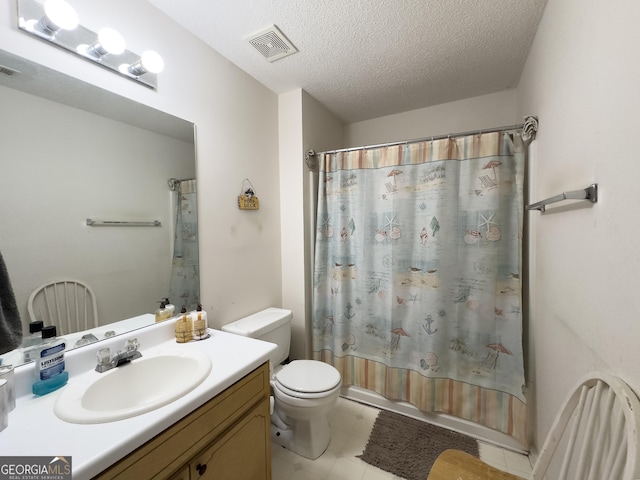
pixel 417 295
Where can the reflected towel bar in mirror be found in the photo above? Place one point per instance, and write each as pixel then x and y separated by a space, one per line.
pixel 117 223
pixel 590 193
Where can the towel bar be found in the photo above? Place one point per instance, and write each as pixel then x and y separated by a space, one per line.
pixel 117 223
pixel 589 193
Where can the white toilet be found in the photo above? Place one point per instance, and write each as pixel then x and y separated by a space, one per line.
pixel 305 391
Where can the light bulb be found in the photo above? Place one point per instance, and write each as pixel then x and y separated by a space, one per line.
pixel 150 61
pixel 111 41
pixel 59 15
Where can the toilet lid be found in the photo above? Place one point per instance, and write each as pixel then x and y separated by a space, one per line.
pixel 308 376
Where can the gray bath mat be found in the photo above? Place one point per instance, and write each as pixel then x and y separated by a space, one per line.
pixel 407 447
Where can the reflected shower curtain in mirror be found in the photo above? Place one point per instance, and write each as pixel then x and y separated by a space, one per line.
pixel 417 280
pixel 184 286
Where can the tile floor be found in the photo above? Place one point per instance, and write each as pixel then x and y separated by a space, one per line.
pixel 351 424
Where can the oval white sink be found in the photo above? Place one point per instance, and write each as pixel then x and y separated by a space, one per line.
pixel 132 389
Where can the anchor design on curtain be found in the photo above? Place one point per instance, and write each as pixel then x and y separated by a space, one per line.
pixel 418 297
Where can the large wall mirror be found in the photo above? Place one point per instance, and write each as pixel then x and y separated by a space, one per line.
pixel 71 152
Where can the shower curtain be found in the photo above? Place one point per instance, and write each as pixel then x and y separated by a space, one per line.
pixel 417 279
pixel 184 287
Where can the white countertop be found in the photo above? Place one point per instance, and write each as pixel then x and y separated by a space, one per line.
pixel 35 430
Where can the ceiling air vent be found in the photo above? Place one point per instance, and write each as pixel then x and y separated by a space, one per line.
pixel 4 70
pixel 272 44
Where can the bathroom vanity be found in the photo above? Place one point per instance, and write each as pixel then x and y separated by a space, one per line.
pixel 228 437
pixel 220 429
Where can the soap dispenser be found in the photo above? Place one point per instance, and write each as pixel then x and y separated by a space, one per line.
pixel 184 327
pixel 170 306
pixel 163 313
pixel 200 327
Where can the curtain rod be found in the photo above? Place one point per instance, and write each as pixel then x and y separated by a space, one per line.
pixel 529 130
pixel 175 182
pixel 424 139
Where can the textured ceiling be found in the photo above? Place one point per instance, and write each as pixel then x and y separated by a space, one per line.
pixel 364 59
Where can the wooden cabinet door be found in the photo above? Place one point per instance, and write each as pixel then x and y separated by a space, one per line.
pixel 181 475
pixel 243 452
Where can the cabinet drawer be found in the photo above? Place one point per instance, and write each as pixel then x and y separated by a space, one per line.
pixel 166 453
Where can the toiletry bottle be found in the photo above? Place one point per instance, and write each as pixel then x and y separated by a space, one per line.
pixel 170 306
pixel 34 337
pixel 200 327
pixel 49 363
pixel 163 312
pixel 31 342
pixel 184 327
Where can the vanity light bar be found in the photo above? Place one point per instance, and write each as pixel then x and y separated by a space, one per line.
pixel 106 48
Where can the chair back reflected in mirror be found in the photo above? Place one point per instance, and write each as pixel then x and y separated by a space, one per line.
pixel 68 304
pixel 593 437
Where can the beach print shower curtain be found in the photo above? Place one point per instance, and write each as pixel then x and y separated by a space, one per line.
pixel 417 279
pixel 184 285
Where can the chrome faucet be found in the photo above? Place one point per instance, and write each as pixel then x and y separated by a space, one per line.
pixel 106 361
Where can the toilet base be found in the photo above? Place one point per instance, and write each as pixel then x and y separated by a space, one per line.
pixel 308 439
pixel 281 437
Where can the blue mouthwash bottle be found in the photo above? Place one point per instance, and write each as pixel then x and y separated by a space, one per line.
pixel 49 363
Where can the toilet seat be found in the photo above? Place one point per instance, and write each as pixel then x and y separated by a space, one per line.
pixel 307 379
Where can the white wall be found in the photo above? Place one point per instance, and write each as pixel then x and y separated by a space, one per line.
pixel 303 124
pixel 237 138
pixel 582 79
pixel 486 111
pixel 292 220
pixel 111 171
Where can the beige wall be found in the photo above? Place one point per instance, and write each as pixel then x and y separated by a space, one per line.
pixel 581 79
pixel 237 138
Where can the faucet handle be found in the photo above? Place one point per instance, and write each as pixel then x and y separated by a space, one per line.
pixel 132 345
pixel 104 356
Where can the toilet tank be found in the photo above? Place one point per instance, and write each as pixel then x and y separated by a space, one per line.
pixel 271 325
